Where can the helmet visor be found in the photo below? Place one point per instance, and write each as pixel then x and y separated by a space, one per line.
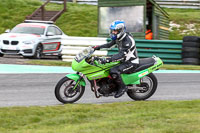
pixel 114 32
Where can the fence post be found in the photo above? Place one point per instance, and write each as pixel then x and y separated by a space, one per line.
pixel 65 6
pixel 74 1
pixel 42 12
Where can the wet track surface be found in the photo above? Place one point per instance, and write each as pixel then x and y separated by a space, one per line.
pixel 33 89
pixel 38 89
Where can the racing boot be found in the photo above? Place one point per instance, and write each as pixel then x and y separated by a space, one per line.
pixel 122 87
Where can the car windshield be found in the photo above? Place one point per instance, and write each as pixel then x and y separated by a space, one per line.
pixel 84 53
pixel 29 29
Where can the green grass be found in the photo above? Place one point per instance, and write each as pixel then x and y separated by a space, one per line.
pixel 180 67
pixel 13 12
pixel 79 20
pixel 48 63
pixel 185 18
pixel 126 117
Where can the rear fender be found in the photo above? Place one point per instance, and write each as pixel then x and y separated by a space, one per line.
pixel 134 78
pixel 76 77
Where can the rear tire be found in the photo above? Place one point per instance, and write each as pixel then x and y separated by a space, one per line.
pixel 65 93
pixel 1 55
pixel 150 88
pixel 59 56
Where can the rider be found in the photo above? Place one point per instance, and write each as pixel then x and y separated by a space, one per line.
pixel 127 55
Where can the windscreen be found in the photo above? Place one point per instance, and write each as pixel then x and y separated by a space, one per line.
pixel 29 29
pixel 84 53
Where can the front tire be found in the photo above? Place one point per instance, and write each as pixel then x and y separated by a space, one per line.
pixel 149 84
pixel 65 93
pixel 38 52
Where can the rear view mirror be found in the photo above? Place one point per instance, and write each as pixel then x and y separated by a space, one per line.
pixel 7 31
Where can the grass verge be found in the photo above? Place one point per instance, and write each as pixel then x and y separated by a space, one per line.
pixel 126 117
pixel 48 63
pixel 180 67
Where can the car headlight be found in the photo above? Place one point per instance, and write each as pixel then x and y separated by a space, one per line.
pixel 29 42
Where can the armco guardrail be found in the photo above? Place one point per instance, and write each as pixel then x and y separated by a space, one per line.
pixel 73 45
pixel 89 2
pixel 168 50
pixel 190 4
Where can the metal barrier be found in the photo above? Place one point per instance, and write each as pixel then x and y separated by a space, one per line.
pixel 89 2
pixel 73 45
pixel 168 50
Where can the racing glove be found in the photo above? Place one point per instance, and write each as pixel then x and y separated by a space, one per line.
pixel 97 47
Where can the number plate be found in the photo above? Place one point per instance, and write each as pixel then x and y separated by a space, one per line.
pixel 10 47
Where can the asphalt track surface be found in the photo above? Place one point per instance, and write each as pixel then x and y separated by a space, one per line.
pixel 32 89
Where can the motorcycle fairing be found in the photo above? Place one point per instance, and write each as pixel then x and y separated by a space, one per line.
pixel 97 71
pixel 93 72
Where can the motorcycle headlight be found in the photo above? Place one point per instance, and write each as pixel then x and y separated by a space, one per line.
pixel 29 42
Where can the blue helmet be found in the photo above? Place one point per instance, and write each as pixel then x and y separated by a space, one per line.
pixel 119 26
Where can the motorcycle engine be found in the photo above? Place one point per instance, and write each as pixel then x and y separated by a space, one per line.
pixel 107 86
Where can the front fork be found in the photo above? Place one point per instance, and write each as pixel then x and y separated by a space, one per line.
pixel 79 80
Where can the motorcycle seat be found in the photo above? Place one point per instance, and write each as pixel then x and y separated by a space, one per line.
pixel 144 63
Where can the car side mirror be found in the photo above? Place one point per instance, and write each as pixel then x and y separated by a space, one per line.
pixel 7 31
pixel 50 34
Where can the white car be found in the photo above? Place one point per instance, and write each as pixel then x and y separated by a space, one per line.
pixel 32 39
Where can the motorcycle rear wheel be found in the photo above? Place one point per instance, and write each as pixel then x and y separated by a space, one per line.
pixel 149 83
pixel 65 92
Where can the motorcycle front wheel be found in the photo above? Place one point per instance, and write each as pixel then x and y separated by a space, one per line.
pixel 146 89
pixel 66 92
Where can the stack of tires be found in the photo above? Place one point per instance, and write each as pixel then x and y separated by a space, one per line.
pixel 190 50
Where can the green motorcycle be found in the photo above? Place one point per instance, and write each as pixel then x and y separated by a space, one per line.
pixel 141 83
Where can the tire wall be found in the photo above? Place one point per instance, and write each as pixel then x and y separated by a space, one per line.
pixel 191 50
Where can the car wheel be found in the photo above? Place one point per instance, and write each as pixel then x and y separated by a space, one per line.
pixel 1 55
pixel 27 57
pixel 59 56
pixel 38 52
